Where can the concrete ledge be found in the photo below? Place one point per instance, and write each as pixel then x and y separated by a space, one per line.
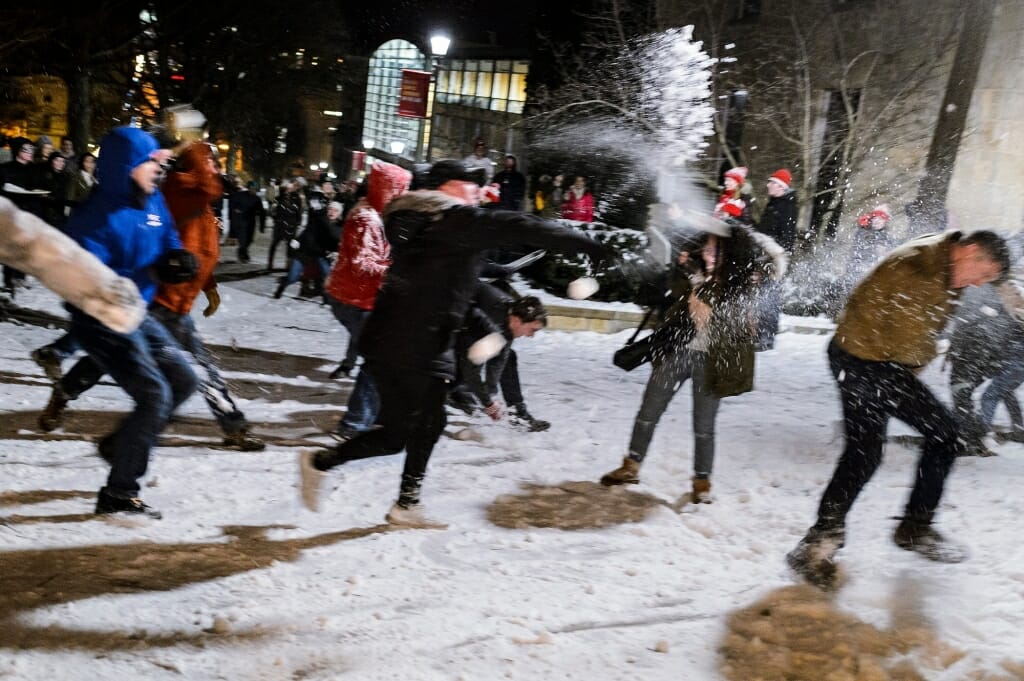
pixel 604 320
pixel 566 318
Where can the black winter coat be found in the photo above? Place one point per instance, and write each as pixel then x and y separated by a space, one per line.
pixel 438 246
pixel 779 220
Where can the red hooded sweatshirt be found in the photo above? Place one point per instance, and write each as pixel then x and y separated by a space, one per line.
pixel 363 253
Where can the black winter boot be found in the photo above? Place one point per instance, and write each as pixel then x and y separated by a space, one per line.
pixel 107 503
pixel 814 557
pixel 921 537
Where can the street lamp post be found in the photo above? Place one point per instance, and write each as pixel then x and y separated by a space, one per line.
pixel 438 49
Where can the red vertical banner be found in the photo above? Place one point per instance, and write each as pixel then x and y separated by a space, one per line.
pixel 412 98
pixel 358 160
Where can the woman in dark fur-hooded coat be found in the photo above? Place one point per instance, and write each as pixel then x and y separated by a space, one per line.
pixel 708 335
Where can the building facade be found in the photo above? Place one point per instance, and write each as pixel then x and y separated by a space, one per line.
pixel 917 104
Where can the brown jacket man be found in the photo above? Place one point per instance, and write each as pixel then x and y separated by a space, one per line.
pixel 885 335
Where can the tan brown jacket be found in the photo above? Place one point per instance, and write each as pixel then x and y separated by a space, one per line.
pixel 896 313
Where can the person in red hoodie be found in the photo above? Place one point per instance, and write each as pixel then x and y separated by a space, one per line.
pixel 579 202
pixel 363 258
pixel 188 190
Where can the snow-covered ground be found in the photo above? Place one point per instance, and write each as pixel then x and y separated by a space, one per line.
pixel 336 595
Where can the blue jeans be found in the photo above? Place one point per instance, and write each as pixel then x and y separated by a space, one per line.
pixel 1002 389
pixel 352 318
pixel 215 391
pixel 298 264
pixel 363 403
pixel 667 377
pixel 152 368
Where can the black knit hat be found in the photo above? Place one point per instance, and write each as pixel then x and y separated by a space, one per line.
pixel 446 171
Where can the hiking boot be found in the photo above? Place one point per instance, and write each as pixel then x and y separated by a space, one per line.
pixel 310 480
pixel 107 503
pixel 701 491
pixel 626 474
pixel 412 517
pixel 520 416
pixel 814 557
pixel 921 537
pixel 52 417
pixel 48 361
pixel 244 441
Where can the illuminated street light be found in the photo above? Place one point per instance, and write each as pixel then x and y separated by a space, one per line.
pixel 397 148
pixel 439 45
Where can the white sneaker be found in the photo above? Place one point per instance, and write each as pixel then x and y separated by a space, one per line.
pixel 310 480
pixel 413 517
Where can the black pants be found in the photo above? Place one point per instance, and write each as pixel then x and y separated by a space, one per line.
pixel 511 390
pixel 245 236
pixel 279 236
pixel 872 393
pixel 412 418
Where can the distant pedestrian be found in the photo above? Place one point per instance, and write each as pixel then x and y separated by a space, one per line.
pixel 511 185
pixel 246 212
pixel 578 201
pixel 779 222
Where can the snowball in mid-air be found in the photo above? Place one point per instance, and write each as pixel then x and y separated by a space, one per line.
pixel 486 348
pixel 582 288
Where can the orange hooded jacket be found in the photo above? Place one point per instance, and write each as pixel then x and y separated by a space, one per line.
pixel 189 189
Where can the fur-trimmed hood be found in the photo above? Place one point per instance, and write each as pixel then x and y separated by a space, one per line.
pixel 429 201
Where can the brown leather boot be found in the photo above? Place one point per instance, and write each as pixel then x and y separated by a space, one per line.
pixel 701 491
pixel 626 474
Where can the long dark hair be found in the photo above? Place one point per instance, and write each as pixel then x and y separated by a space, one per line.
pixel 737 258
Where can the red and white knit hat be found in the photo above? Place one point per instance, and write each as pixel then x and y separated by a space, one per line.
pixel 880 211
pixel 783 177
pixel 739 173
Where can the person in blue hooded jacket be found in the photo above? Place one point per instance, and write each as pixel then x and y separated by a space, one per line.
pixel 127 225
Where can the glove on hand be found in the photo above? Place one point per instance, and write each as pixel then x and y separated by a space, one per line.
pixel 176 266
pixel 212 302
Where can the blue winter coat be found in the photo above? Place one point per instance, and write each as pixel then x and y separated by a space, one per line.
pixel 124 228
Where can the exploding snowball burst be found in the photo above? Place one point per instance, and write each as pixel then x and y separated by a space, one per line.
pixel 582 288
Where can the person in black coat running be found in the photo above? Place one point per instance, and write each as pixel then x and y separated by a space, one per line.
pixel 439 238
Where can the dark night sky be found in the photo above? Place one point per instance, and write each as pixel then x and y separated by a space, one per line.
pixel 512 24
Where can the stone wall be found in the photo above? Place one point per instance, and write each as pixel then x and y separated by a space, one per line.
pixel 986 189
